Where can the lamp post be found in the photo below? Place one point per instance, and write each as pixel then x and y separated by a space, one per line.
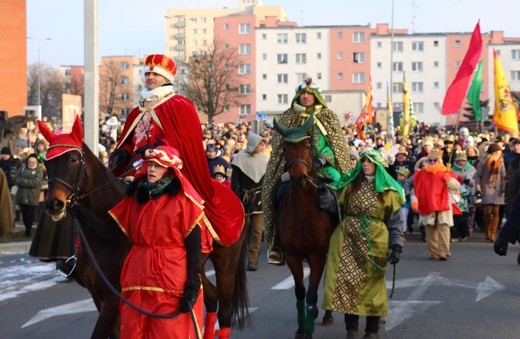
pixel 39 66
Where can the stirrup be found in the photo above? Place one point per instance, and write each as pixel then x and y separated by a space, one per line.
pixel 65 268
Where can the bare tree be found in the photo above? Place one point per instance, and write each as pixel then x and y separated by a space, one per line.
pixel 52 86
pixel 214 79
pixel 113 85
pixel 77 85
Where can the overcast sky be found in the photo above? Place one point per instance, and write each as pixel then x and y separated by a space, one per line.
pixel 137 27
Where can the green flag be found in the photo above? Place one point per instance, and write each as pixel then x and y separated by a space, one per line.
pixel 474 93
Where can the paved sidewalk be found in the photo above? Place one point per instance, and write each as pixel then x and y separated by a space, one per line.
pixel 17 247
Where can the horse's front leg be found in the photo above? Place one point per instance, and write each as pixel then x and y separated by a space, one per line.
pixel 317 266
pixel 296 267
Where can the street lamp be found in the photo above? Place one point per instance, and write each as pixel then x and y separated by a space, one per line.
pixel 39 66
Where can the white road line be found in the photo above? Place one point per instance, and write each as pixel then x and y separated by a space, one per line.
pixel 288 283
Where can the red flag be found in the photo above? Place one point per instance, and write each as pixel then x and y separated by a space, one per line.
pixel 457 90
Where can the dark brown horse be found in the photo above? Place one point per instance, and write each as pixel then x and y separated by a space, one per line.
pixel 79 176
pixel 304 229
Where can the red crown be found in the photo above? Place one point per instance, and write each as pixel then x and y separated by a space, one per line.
pixel 166 66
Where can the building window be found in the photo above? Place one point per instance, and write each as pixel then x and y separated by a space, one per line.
pixel 125 111
pixel 301 58
pixel 417 87
pixel 397 67
pixel 203 19
pixel 340 35
pixel 125 81
pixel 328 98
pixel 398 46
pixel 417 66
pixel 318 56
pixel 282 38
pixel 379 44
pixel 457 43
pixel 124 65
pixel 436 84
pixel 515 75
pixel 340 76
pixel 397 87
pixel 318 35
pixel 244 89
pixel 418 46
pixel 436 64
pixel 283 78
pixel 264 76
pixel 226 27
pixel 264 56
pixel 264 96
pixel 379 85
pixel 437 105
pixel 300 77
pixel 515 54
pixel 282 58
pixel 125 96
pixel 204 31
pixel 264 36
pixel 418 107
pixel 301 38
pixel 227 47
pixel 359 58
pixel 245 49
pixel 226 108
pixel 457 63
pixel 435 43
pixel 244 69
pixel 359 37
pixel 379 65
pixel 358 78
pixel 319 76
pixel 340 56
pixel 245 109
pixel 194 31
pixel 283 99
pixel 244 28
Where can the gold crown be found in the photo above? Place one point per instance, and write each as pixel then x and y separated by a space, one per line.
pixel 219 169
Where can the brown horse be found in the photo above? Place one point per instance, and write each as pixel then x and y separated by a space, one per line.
pixel 78 176
pixel 304 229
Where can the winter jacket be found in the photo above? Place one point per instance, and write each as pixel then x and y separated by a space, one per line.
pixel 29 185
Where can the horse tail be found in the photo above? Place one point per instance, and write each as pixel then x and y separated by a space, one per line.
pixel 240 296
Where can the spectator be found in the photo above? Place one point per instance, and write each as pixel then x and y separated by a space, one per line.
pixel 29 179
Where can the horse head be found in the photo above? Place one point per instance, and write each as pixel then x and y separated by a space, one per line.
pixel 297 150
pixel 65 167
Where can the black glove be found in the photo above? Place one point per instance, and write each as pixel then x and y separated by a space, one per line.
pixel 142 149
pixel 466 181
pixel 190 295
pixel 500 247
pixel 395 254
pixel 119 157
pixel 319 161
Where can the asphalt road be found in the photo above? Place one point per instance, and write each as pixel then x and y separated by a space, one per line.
pixel 475 294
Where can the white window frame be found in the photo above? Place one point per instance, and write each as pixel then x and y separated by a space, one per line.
pixel 418 46
pixel 282 78
pixel 301 58
pixel 283 99
pixel 398 46
pixel 244 69
pixel 245 109
pixel 417 87
pixel 397 66
pixel 244 28
pixel 301 38
pixel 282 58
pixel 417 66
pixel 358 78
pixel 282 38
pixel 358 57
pixel 244 49
pixel 358 37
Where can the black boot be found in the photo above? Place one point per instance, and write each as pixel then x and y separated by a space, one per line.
pixel 351 324
pixel 372 328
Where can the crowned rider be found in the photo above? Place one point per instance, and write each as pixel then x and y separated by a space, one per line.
pixel 330 150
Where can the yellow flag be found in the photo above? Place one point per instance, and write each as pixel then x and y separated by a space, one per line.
pixel 505 116
pixel 405 121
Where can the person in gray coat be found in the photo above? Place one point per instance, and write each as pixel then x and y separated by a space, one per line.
pixel 28 179
pixel 489 179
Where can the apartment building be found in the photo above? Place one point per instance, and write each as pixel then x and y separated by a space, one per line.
pixel 188 31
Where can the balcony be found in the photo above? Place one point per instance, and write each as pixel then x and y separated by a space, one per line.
pixel 180 48
pixel 180 24
pixel 179 36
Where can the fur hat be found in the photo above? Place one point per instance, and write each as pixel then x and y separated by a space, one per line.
pixel 493 148
pixel 162 65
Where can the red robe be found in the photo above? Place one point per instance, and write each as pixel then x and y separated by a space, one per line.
pixel 180 127
pixel 155 271
pixel 431 190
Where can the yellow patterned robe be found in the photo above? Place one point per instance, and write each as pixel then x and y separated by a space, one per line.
pixel 327 123
pixel 358 253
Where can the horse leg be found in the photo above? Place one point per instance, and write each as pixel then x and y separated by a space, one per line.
pixel 210 301
pixel 107 320
pixel 317 265
pixel 295 265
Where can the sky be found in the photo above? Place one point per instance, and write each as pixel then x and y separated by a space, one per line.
pixel 133 27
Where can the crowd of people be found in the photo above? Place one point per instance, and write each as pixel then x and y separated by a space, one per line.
pixel 443 183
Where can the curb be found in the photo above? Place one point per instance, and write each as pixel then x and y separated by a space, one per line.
pixel 15 247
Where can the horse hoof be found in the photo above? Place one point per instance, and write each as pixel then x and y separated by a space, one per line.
pixel 300 335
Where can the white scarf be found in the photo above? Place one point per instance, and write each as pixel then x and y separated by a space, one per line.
pixel 156 93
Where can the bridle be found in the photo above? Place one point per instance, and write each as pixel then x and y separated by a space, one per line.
pixel 311 179
pixel 73 198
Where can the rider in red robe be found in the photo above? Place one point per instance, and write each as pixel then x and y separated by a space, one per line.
pixel 170 119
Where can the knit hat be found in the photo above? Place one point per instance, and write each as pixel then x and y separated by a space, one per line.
pixel 494 148
pixel 353 153
pixel 162 65
pixel 6 150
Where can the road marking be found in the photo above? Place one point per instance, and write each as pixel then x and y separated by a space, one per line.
pixel 81 306
pixel 288 283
